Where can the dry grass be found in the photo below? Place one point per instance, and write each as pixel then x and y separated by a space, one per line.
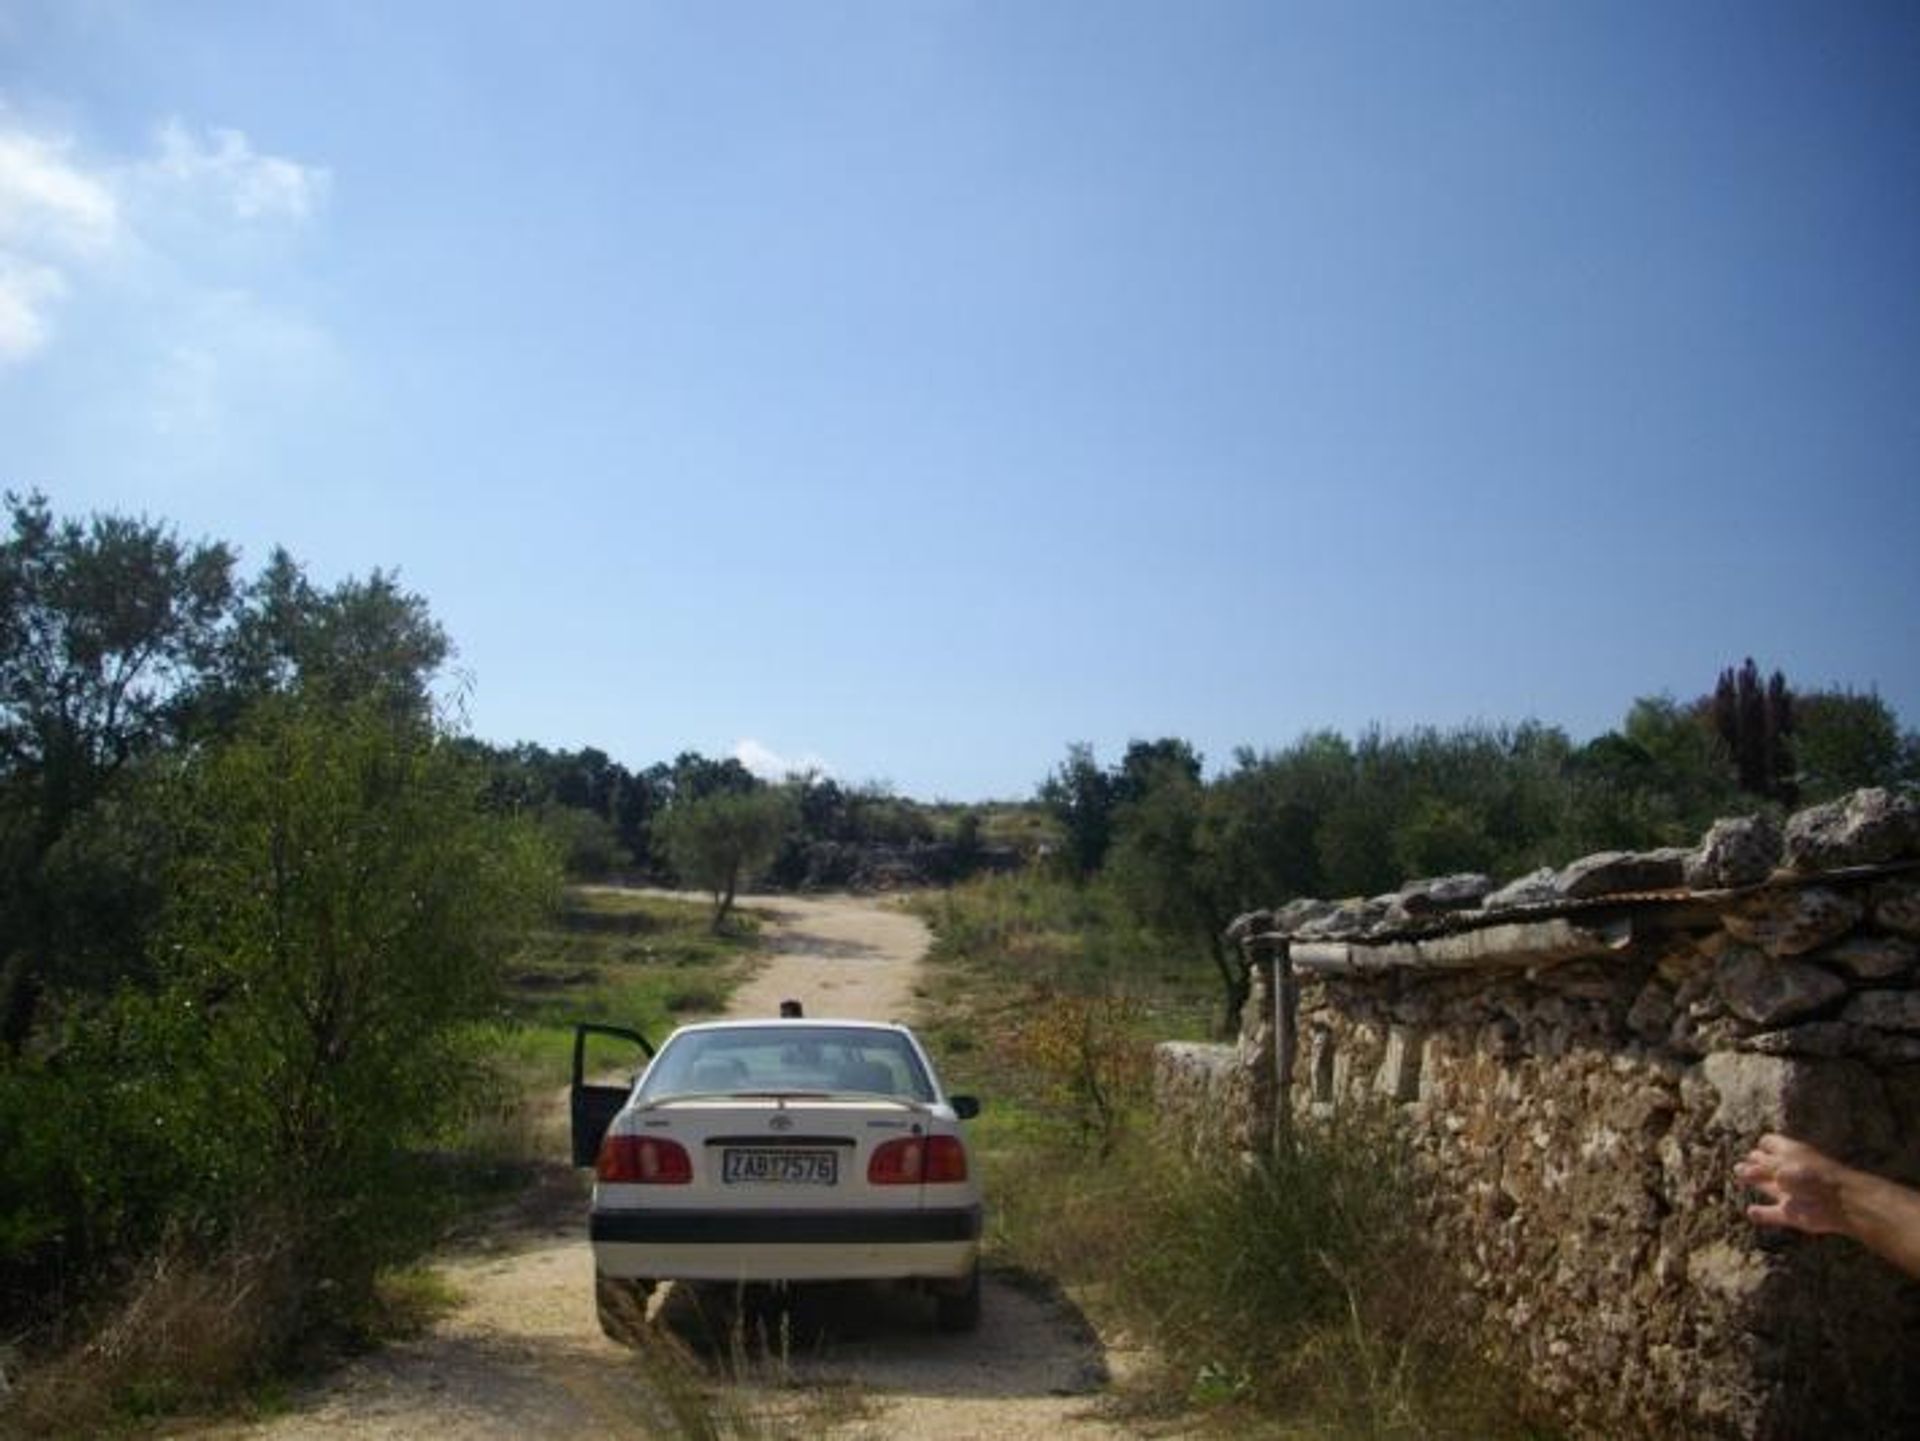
pixel 188 1330
pixel 739 1388
pixel 198 1333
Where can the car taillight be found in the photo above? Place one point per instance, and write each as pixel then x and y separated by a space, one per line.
pixel 914 1159
pixel 643 1161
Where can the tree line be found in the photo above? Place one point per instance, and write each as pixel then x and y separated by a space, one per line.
pixel 707 823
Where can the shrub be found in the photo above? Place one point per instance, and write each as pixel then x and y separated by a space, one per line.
pixel 1088 1053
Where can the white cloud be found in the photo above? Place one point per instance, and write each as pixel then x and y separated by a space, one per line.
pixel 48 202
pixel 52 214
pixel 228 172
pixel 64 216
pixel 769 765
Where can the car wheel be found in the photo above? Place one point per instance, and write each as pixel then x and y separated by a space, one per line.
pixel 959 1310
pixel 622 1304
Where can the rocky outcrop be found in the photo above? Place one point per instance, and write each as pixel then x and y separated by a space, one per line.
pixel 1579 1057
pixel 883 866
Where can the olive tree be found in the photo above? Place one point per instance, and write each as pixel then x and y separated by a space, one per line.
pixel 718 840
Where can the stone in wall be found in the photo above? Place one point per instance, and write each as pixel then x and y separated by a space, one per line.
pixel 1869 827
pixel 1530 889
pixel 1870 957
pixel 1832 1040
pixel 1193 1095
pixel 1346 918
pixel 1793 921
pixel 1758 988
pixel 1739 851
pixel 1885 1010
pixel 1619 872
pixel 1896 906
pixel 1445 893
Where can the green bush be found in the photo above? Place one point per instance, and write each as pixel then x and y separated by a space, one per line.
pixel 337 914
pixel 340 916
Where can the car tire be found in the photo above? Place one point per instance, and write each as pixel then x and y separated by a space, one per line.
pixel 959 1311
pixel 622 1305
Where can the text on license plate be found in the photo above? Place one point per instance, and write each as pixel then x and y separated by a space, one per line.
pixel 786 1168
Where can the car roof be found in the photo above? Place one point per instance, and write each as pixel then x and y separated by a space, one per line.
pixel 789 1023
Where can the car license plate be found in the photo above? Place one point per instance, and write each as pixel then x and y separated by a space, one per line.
pixel 782 1168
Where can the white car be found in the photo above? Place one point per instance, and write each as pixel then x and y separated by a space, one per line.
pixel 782 1151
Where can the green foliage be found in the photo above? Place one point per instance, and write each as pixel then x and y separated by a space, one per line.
pixel 337 911
pixel 1301 1292
pixel 1172 868
pixel 717 841
pixel 362 642
pixel 1658 781
pixel 341 911
pixel 104 627
pixel 582 796
pixel 587 844
pixel 1084 799
pixel 1844 740
pixel 119 643
pixel 1079 795
pixel 1089 1055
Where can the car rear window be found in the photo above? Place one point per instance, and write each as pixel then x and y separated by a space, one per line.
pixel 748 1060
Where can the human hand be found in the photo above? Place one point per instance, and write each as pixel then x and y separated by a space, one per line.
pixel 1804 1186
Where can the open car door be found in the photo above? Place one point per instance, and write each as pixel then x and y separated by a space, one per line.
pixel 595 1106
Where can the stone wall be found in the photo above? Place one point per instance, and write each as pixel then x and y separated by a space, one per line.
pixel 1581 1056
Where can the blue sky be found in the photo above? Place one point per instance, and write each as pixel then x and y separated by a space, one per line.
pixel 916 388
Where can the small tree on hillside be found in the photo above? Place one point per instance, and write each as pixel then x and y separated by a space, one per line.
pixel 718 841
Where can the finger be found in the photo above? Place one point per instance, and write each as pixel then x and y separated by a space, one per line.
pixel 1774 1215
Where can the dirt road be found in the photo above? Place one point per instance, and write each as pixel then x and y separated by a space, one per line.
pixel 522 1355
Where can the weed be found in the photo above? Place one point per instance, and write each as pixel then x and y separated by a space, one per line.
pixel 742 1387
pixel 1089 1051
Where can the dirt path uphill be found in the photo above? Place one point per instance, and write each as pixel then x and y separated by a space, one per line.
pixel 522 1355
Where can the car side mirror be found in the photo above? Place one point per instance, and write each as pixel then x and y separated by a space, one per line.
pixel 965 1107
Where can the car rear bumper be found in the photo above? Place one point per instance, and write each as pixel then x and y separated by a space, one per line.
pixel 786 1245
pixel 735 1228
